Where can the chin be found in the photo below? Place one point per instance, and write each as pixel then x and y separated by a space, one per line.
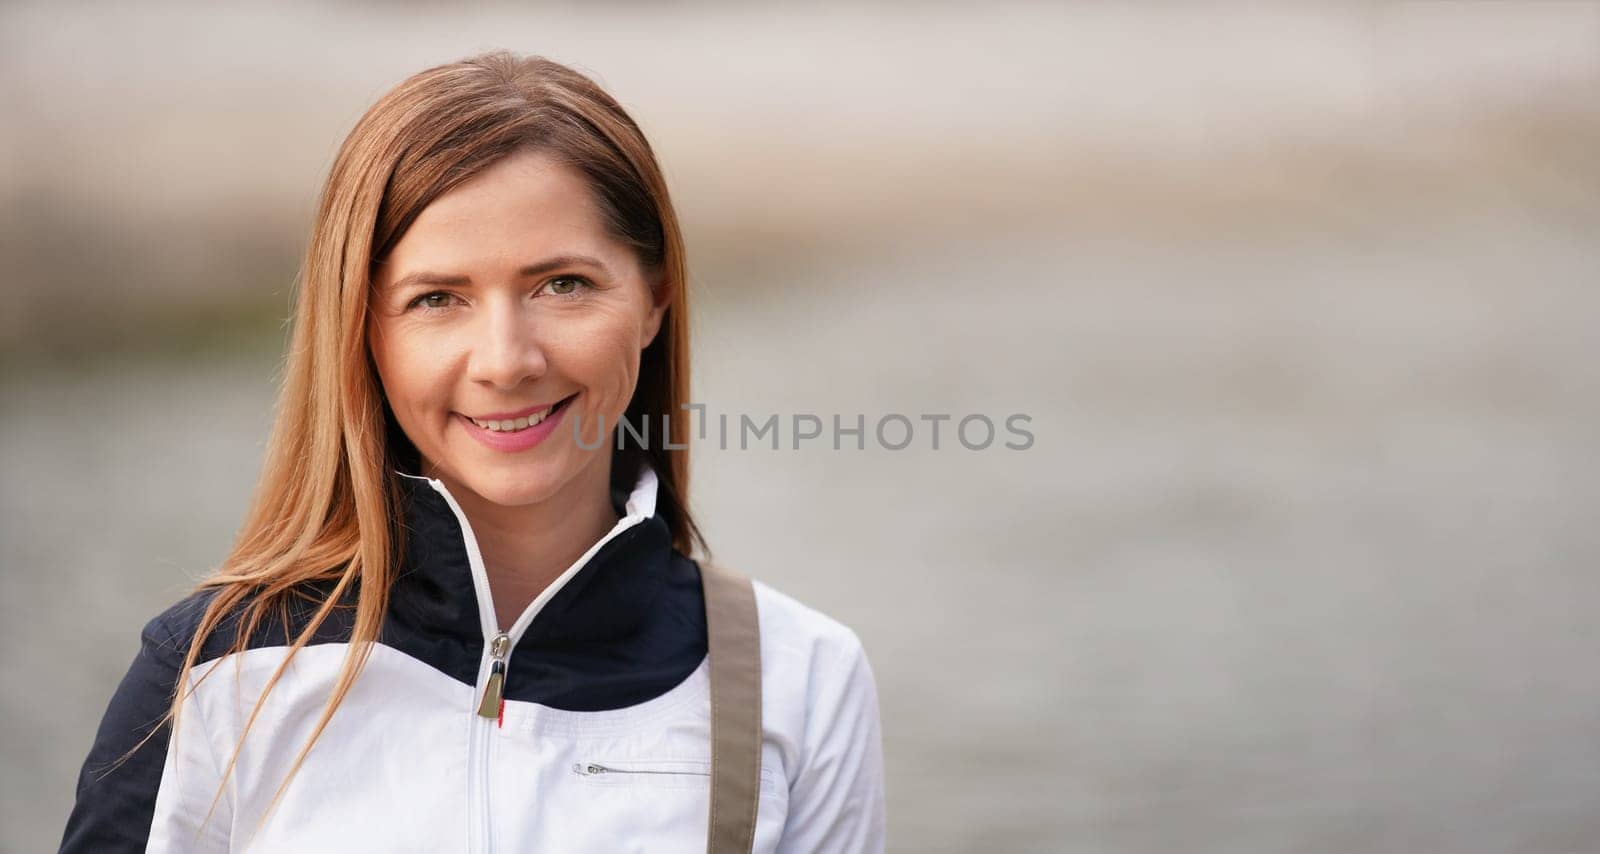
pixel 510 482
pixel 512 489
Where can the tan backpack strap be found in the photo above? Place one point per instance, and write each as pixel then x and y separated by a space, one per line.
pixel 734 638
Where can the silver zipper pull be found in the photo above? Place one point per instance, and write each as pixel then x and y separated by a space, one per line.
pixel 494 691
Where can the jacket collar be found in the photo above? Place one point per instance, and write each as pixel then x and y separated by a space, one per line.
pixel 607 593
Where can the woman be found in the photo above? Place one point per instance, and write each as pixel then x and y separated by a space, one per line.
pixel 461 615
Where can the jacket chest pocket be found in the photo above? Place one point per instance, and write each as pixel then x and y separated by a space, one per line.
pixel 658 773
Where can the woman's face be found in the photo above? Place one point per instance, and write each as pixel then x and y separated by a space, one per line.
pixel 508 295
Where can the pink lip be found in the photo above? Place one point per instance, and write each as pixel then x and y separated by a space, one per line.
pixel 519 440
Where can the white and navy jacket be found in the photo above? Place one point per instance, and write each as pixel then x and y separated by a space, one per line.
pixel 603 744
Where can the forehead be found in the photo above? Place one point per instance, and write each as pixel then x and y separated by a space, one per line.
pixel 526 207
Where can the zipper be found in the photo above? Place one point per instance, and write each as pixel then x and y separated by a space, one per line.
pixel 595 769
pixel 491 707
pixel 636 771
pixel 493 704
pixel 498 646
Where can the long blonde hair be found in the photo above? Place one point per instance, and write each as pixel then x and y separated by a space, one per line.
pixel 323 518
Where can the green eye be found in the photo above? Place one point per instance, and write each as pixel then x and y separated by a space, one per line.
pixel 437 299
pixel 566 286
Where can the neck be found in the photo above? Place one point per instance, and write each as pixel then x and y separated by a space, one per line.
pixel 527 547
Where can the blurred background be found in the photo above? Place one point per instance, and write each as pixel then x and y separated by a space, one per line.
pixel 1302 303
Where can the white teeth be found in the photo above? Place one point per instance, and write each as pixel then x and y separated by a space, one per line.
pixel 512 424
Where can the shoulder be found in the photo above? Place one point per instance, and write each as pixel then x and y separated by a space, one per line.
pixel 169 634
pixel 794 619
pixel 807 653
pixel 817 687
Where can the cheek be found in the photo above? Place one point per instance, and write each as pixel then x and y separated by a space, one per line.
pixel 605 359
pixel 412 371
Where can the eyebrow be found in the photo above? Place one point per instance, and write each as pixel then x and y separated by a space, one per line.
pixel 536 269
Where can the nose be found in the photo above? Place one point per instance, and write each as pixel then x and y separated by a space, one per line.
pixel 507 351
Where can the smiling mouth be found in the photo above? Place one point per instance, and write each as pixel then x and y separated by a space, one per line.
pixel 512 425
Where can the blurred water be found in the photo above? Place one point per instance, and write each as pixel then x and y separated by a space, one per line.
pixel 1301 558
pixel 159 162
